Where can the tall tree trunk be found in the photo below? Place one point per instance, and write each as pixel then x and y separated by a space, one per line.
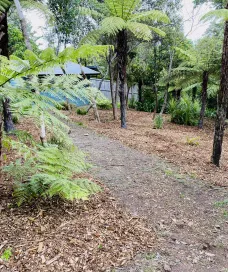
pixel 114 106
pixel 171 56
pixel 23 24
pixel 4 39
pixel 220 122
pixel 4 35
pixel 203 99
pixel 156 100
pixel 122 73
pixel 140 84
pixel 8 123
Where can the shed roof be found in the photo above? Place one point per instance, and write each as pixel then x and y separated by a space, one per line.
pixel 71 68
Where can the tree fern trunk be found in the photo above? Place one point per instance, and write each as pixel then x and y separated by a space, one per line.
pixel 4 39
pixel 203 98
pixel 122 73
pixel 222 103
pixel 4 35
pixel 8 123
pixel 140 84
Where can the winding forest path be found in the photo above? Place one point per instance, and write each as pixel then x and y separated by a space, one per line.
pixel 192 231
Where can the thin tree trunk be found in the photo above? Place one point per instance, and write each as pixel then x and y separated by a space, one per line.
pixel 1 136
pixel 203 98
pixel 140 83
pixel 127 95
pixel 122 73
pixel 220 122
pixel 114 106
pixel 23 24
pixel 156 100
pixel 167 89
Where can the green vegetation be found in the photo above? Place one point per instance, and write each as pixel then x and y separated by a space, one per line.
pixel 81 111
pixel 104 105
pixel 7 254
pixel 184 112
pixel 158 122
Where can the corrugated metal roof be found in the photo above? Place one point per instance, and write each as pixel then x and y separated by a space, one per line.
pixel 71 68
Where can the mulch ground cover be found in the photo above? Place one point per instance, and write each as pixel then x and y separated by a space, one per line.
pixel 54 235
pixel 187 147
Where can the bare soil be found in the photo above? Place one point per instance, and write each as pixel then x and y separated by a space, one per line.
pixel 187 147
pixel 189 216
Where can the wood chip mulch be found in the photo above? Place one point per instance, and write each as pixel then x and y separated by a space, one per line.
pixel 169 143
pixel 94 235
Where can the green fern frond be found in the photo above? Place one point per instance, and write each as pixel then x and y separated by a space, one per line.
pixel 158 31
pixel 219 14
pixel 122 8
pixel 4 5
pixel 112 25
pixel 152 15
pixel 140 31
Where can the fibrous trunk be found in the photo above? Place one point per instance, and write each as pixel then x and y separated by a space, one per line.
pixel 122 73
pixel 222 103
pixel 203 99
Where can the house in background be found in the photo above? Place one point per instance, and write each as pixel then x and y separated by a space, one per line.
pixel 70 68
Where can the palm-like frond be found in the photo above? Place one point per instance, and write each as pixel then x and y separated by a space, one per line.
pixel 4 5
pixel 122 8
pixel 112 25
pixel 140 31
pixel 152 15
pixel 220 14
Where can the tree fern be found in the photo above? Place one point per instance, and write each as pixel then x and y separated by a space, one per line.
pixel 4 5
pixel 46 172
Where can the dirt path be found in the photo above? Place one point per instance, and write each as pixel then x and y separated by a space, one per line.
pixel 192 231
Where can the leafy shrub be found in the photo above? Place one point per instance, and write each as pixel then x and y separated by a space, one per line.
pixel 15 119
pixel 158 122
pixel 193 141
pixel 47 172
pixel 63 106
pixel 104 105
pixel 132 103
pixel 81 111
pixel 210 113
pixel 184 112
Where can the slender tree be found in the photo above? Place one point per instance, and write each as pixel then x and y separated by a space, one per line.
pixel 23 24
pixel 220 122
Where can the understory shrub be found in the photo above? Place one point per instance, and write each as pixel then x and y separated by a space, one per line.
pixel 104 105
pixel 184 112
pixel 210 113
pixel 49 171
pixel 158 122
pixel 81 111
pixel 132 103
